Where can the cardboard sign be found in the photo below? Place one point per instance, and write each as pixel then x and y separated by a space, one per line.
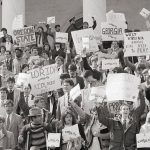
pixel 110 63
pixel 145 13
pixel 75 92
pixel 61 37
pixel 112 17
pixel 44 79
pixel 25 36
pixel 97 93
pixel 143 140
pixel 51 20
pixel 1 34
pixel 53 140
pixel 112 31
pixel 122 87
pixel 23 79
pixel 77 39
pixel 70 132
pixel 136 44
pixel 86 43
pixel 18 22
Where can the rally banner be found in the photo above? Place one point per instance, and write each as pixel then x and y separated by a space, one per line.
pixel 112 31
pixel 122 87
pixel 25 36
pixel 44 79
pixel 53 140
pixel 79 35
pixel 61 37
pixel 75 92
pixel 143 140
pixel 110 63
pixel 96 9
pixel 136 44
pixel 70 132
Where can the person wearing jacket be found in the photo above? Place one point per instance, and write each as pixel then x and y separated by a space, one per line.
pixel 123 129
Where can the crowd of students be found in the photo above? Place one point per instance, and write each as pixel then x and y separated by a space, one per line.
pixel 26 119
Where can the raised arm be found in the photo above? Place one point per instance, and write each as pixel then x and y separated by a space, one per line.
pixel 129 64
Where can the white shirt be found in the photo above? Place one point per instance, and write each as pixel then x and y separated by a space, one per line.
pixel 2 110
pixel 127 121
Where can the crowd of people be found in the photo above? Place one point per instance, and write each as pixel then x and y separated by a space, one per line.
pixel 26 119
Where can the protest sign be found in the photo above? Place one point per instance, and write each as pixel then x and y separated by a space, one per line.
pixel 112 31
pixel 136 44
pixel 53 140
pixel 96 9
pixel 70 132
pixel 25 36
pixel 97 93
pixel 122 87
pixel 51 20
pixel 102 56
pixel 61 37
pixel 110 63
pixel 145 13
pixel 44 79
pixel 1 34
pixel 112 17
pixel 18 22
pixel 75 92
pixel 114 107
pixel 22 79
pixel 143 140
pixel 85 43
pixel 77 39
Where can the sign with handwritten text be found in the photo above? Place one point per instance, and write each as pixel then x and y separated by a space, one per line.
pixel 61 37
pixel 44 79
pixel 136 44
pixel 53 140
pixel 112 31
pixel 110 63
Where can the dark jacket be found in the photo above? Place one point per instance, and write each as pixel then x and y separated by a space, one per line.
pixel 120 139
pixel 80 80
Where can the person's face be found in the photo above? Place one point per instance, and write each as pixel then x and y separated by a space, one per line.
pixel 57 46
pixel 3 95
pixel 34 52
pixel 94 64
pixel 41 103
pixel 90 79
pixel 59 62
pixel 9 108
pixel 114 45
pixel 27 51
pixel 67 87
pixel 68 119
pixel 141 59
pixel 10 85
pixel 46 47
pixel 18 53
pixel 4 32
pixel 7 55
pixel 125 111
pixel 38 119
pixel 2 50
pixel 27 90
pixel 45 55
pixel 72 73
pixel 85 25
pixel 57 29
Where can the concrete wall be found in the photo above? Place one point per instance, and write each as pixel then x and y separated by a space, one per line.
pixel 38 10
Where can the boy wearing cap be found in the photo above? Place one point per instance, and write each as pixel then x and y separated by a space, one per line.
pixel 34 133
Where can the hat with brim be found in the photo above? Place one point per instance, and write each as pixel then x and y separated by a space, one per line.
pixel 35 111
